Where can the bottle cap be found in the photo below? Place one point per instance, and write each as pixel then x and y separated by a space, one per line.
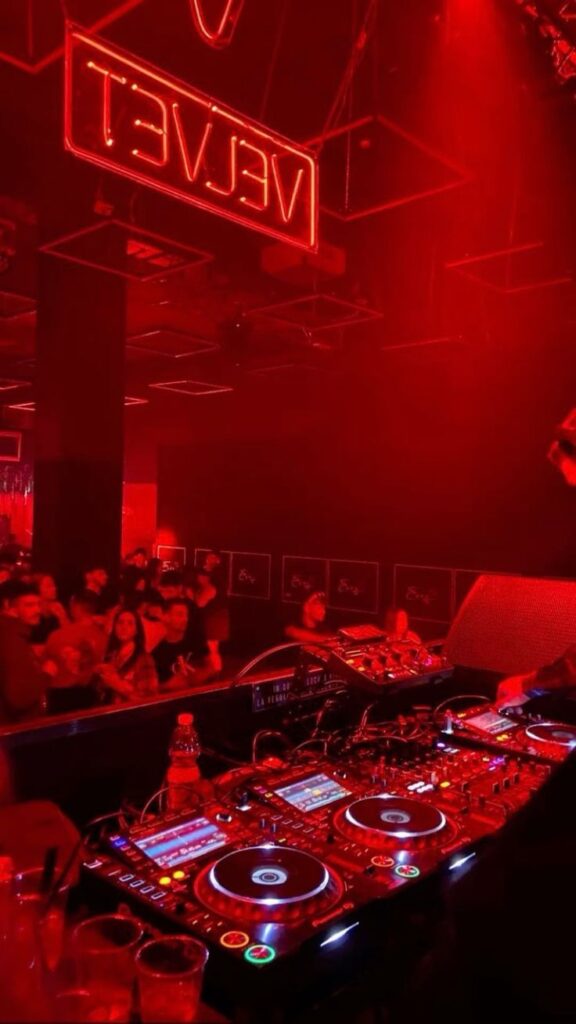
pixel 185 718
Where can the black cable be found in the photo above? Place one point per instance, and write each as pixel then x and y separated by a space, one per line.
pixel 290 645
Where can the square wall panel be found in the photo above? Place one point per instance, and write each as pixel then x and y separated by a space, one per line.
pixel 374 164
pixel 32 31
pixel 318 313
pixel 191 387
pixel 250 575
pixel 425 592
pixel 126 250
pixel 302 576
pixel 353 586
pixel 172 556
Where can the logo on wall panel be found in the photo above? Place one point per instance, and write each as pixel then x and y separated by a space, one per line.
pixel 353 586
pixel 250 575
pixel 171 556
pixel 426 592
pixel 301 576
pixel 133 119
pixel 216 20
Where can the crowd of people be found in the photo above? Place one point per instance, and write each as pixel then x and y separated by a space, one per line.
pixel 155 632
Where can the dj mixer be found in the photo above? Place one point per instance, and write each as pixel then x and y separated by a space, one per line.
pixel 376 663
pixel 289 878
pixel 513 732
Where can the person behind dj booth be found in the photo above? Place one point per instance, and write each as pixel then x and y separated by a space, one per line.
pixel 181 656
pixel 559 676
pixel 310 623
pixel 396 626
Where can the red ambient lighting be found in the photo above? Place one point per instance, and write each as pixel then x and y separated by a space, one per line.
pixel 221 34
pixel 130 118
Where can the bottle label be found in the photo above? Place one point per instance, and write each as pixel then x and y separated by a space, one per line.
pixel 181 783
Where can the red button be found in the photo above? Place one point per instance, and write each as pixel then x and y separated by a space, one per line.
pixel 379 861
pixel 234 940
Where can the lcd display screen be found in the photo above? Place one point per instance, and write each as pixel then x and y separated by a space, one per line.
pixel 491 723
pixel 312 792
pixel 187 841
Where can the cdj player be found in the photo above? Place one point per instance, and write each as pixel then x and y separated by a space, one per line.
pixel 513 731
pixel 290 879
pixel 261 904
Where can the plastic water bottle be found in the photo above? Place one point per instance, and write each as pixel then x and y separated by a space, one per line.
pixel 183 773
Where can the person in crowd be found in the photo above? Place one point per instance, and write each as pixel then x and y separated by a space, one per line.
pixel 72 653
pixel 310 623
pixel 153 573
pixel 138 558
pixel 22 682
pixel 171 585
pixel 128 672
pixel 6 571
pixel 152 611
pixel 96 583
pixel 52 614
pixel 396 626
pixel 211 597
pixel 133 578
pixel 180 656
pixel 11 551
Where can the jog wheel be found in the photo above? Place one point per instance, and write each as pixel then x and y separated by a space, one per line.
pixel 393 821
pixel 268 883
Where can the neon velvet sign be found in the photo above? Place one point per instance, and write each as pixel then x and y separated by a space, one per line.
pixel 128 117
pixel 218 32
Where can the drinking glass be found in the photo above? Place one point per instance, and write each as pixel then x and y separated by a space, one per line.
pixel 104 948
pixel 38 918
pixel 32 942
pixel 74 1006
pixel 170 972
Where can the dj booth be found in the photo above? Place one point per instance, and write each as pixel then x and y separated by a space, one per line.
pixel 339 800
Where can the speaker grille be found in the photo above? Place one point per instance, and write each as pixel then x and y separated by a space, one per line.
pixel 513 624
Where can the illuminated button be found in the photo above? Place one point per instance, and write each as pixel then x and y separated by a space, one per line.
pixel 260 954
pixel 407 871
pixel 445 784
pixel 379 861
pixel 178 875
pixel 235 940
pixel 165 880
